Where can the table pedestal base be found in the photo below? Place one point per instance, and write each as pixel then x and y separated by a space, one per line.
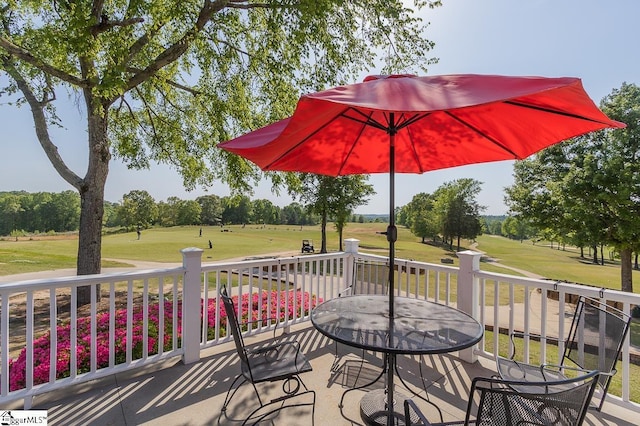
pixel 373 408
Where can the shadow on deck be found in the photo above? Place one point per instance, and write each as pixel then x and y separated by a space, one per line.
pixel 171 393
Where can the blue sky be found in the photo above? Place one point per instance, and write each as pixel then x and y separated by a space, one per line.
pixel 590 39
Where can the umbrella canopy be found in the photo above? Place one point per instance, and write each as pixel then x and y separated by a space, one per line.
pixel 410 124
pixel 438 121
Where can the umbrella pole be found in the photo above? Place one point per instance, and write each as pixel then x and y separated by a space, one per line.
pixel 392 232
pixel 392 236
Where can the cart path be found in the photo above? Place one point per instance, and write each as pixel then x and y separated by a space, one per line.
pixel 134 265
pixel 528 274
pixel 496 262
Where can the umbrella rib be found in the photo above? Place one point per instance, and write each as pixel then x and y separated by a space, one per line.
pixel 521 105
pixel 285 153
pixel 366 120
pixel 553 111
pixel 411 120
pixel 353 145
pixel 416 157
pixel 483 134
pixel 406 124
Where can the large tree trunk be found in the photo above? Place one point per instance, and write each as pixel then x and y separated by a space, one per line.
pixel 92 210
pixel 626 277
pixel 92 203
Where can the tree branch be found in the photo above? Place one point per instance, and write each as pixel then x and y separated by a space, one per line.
pixel 170 82
pixel 137 46
pixel 154 134
pixel 176 50
pixel 42 131
pixel 226 43
pixel 105 24
pixel 96 9
pixel 27 57
pixel 244 5
pixel 183 87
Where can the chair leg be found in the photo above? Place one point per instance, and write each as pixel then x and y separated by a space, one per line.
pixel 384 370
pixel 230 394
pixel 335 366
pixel 336 358
pixel 425 399
pixel 605 389
pixel 282 400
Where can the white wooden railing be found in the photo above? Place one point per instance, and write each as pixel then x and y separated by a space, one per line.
pixel 291 283
pixel 36 313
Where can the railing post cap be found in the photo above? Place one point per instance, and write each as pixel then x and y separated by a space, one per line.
pixel 192 251
pixel 469 253
pixel 351 245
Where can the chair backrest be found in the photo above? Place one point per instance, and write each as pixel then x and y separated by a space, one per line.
pixel 370 277
pixel 562 403
pixel 233 326
pixel 596 337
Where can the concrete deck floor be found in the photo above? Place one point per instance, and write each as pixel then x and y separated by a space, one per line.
pixel 172 393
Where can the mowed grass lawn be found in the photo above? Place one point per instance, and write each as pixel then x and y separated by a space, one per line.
pixel 564 264
pixel 41 253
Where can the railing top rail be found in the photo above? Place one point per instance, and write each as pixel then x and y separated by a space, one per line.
pixel 251 263
pixel 84 280
pixel 571 288
pixel 408 262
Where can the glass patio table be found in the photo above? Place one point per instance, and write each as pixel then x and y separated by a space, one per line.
pixel 419 327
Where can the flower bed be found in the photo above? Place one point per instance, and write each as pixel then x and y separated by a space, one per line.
pixel 264 306
pixel 281 305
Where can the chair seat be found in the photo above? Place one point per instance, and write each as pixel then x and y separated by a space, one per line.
pixel 594 342
pixel 511 370
pixel 275 362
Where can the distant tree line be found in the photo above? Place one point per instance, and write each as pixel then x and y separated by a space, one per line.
pixel 39 212
pixel 512 227
pixel 42 212
pixel 450 213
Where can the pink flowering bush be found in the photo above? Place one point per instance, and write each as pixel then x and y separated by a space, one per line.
pixel 42 348
pixel 263 306
pixel 257 303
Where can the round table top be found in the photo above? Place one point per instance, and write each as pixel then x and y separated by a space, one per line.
pixel 418 326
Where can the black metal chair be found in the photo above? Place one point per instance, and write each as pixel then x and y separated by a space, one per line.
pixel 369 277
pixel 558 403
pixel 594 342
pixel 282 361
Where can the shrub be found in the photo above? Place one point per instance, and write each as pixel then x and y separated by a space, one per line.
pixel 257 303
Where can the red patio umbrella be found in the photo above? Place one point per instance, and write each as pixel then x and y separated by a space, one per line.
pixel 410 124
